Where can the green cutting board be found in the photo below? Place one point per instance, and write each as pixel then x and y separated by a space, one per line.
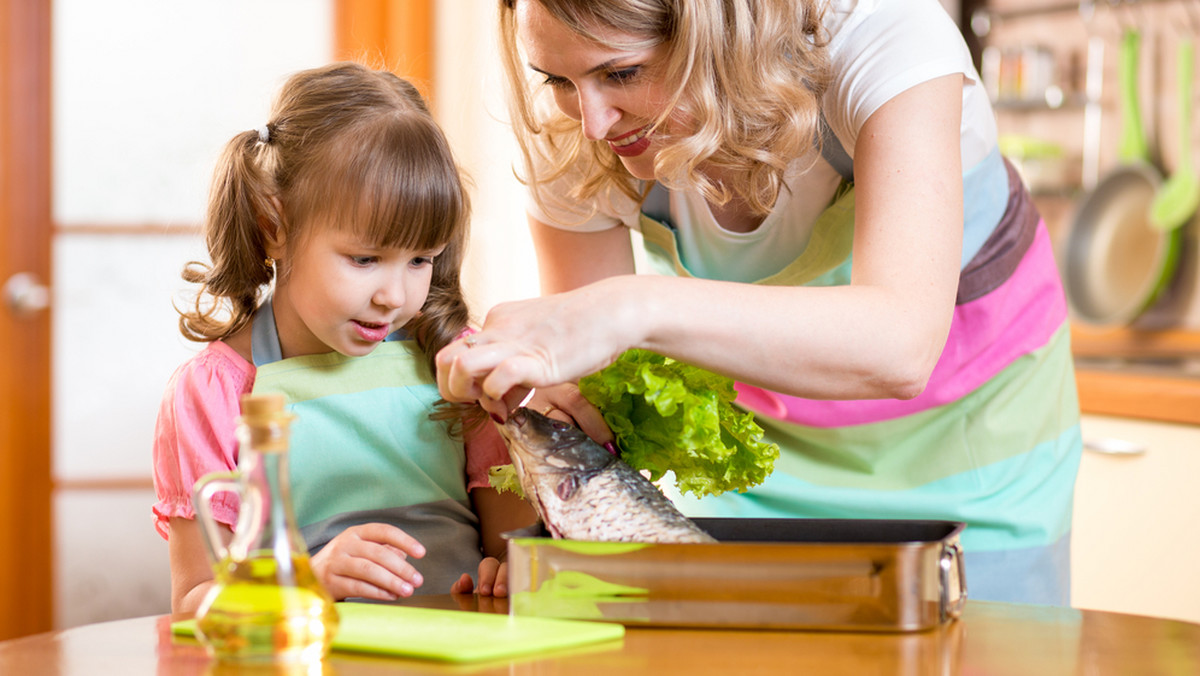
pixel 450 635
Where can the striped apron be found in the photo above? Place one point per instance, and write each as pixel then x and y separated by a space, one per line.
pixel 363 450
pixel 992 441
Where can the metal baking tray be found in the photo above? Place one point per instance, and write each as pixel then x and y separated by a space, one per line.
pixel 827 574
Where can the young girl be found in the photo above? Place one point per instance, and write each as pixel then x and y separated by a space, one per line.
pixel 349 200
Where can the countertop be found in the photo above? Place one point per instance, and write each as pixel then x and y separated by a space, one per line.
pixel 990 638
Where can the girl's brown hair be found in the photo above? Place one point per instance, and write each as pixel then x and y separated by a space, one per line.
pixel 346 147
pixel 748 76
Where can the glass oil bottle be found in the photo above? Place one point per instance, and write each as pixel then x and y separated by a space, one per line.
pixel 266 604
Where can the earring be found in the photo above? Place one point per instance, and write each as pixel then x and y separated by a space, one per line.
pixel 269 262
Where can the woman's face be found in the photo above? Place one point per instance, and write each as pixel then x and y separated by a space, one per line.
pixel 615 94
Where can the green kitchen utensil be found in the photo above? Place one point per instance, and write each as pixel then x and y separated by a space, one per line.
pixel 1179 196
pixel 1133 146
pixel 451 635
pixel 1116 265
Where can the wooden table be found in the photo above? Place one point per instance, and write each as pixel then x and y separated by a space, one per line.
pixel 991 638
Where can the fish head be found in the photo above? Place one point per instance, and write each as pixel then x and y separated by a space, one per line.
pixel 540 443
pixel 552 458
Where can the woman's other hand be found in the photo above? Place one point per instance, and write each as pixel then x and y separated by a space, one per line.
pixel 566 403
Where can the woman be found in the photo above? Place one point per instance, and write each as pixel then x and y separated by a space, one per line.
pixel 818 186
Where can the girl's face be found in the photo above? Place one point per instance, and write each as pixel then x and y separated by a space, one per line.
pixel 339 293
pixel 615 94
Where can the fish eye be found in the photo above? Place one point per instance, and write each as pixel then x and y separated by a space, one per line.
pixel 567 487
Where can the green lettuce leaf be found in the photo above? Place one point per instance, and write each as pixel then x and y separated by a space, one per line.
pixel 671 416
pixel 504 478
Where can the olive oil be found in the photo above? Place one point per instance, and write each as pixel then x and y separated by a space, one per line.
pixel 265 605
pixel 258 612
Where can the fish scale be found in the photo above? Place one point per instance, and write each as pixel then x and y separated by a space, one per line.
pixel 582 492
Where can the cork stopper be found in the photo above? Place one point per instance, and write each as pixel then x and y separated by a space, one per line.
pixel 266 421
pixel 261 407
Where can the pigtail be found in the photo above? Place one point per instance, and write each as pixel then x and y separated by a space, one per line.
pixel 231 287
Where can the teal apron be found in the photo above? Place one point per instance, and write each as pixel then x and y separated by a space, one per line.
pixel 994 440
pixel 364 450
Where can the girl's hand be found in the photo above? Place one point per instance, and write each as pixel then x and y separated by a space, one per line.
pixel 542 342
pixel 493 580
pixel 369 561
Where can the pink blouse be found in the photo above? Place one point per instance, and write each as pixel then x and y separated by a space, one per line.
pixel 195 435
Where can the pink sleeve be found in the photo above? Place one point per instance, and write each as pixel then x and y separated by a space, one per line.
pixel 194 434
pixel 485 449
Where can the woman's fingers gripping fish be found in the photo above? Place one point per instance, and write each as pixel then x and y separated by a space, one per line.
pixel 583 492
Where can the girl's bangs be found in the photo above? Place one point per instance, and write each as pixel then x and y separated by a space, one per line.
pixel 396 184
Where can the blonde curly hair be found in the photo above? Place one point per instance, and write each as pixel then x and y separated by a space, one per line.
pixel 748 75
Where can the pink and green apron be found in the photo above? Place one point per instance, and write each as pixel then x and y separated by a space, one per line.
pixel 364 450
pixel 992 441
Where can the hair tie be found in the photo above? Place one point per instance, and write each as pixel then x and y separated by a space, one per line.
pixel 264 134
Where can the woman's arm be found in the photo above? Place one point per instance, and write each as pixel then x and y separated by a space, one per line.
pixel 878 337
pixel 568 260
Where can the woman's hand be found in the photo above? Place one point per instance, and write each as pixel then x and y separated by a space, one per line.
pixel 369 561
pixel 563 401
pixel 541 342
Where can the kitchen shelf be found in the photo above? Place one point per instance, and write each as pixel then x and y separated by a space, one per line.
pixel 982 19
pixel 1140 396
pixel 1141 374
pixel 1070 102
pixel 1088 341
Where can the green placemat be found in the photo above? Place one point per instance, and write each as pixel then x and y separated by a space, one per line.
pixel 450 635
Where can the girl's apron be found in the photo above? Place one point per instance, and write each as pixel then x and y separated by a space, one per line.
pixel 363 450
pixel 992 441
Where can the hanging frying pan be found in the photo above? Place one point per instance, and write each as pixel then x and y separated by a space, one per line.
pixel 1116 263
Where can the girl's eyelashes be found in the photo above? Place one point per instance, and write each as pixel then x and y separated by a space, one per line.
pixel 392 257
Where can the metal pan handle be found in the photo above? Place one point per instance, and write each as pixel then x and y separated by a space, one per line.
pixel 952 557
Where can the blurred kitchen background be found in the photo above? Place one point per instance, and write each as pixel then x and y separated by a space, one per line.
pixel 112 116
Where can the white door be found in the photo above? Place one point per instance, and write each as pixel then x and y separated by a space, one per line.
pixel 145 94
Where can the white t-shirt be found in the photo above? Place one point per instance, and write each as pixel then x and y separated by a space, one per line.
pixel 879 48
